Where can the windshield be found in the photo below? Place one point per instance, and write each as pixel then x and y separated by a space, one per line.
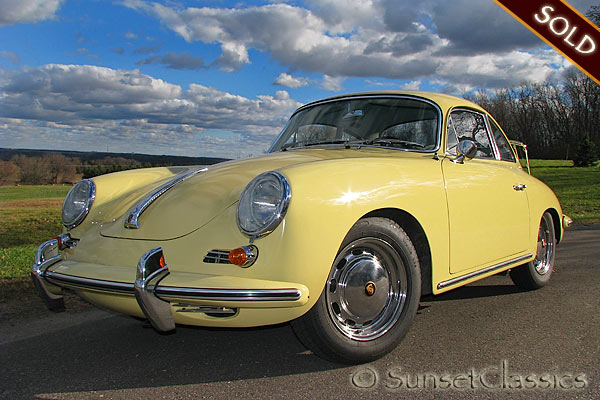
pixel 403 123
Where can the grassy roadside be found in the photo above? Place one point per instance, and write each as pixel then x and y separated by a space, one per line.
pixel 578 189
pixel 29 215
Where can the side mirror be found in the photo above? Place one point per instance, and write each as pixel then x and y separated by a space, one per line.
pixel 465 149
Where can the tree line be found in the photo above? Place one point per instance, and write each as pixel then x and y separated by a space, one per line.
pixel 54 168
pixel 557 120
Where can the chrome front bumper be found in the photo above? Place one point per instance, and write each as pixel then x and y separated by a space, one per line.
pixel 146 289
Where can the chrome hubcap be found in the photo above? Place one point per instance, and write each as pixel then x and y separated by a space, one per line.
pixel 366 290
pixel 545 249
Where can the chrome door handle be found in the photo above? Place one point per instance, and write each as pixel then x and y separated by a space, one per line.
pixel 519 187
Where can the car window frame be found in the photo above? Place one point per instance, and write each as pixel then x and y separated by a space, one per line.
pixel 491 138
pixel 490 119
pixel 440 119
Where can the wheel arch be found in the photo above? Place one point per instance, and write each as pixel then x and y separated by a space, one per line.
pixel 556 220
pixel 415 231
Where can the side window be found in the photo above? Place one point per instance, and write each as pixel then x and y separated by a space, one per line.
pixel 464 124
pixel 506 153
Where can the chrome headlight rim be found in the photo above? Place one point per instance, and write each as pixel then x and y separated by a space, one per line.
pixel 91 195
pixel 277 217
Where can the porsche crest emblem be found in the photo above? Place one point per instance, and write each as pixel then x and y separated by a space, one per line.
pixel 370 288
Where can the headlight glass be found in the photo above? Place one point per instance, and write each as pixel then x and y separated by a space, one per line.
pixel 78 202
pixel 263 204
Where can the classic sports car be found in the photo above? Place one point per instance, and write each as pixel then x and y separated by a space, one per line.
pixel 363 204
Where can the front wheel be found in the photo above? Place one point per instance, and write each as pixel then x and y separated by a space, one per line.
pixel 370 298
pixel 536 273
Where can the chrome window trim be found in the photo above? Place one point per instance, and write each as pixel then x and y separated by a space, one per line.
pixel 487 128
pixel 514 144
pixel 132 219
pixel 88 206
pixel 491 268
pixel 495 148
pixel 362 97
pixel 512 150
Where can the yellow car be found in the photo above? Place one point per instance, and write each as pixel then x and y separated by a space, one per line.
pixel 363 204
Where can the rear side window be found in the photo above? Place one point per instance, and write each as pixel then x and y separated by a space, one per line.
pixel 506 153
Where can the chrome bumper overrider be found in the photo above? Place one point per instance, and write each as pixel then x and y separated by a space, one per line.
pixel 151 270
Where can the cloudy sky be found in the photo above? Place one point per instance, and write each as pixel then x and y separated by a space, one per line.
pixel 220 78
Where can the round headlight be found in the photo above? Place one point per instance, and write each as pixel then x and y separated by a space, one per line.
pixel 78 202
pixel 263 204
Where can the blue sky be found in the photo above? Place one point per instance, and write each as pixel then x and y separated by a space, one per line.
pixel 220 78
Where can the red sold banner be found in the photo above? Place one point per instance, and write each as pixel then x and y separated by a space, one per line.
pixel 562 27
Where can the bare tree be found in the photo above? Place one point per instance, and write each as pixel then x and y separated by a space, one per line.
pixel 9 173
pixel 34 170
pixel 60 168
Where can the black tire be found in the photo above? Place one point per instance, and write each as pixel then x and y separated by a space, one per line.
pixel 536 274
pixel 370 298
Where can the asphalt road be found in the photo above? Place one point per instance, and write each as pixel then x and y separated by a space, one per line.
pixel 486 340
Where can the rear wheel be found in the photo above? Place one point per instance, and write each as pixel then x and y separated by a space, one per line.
pixel 537 272
pixel 370 298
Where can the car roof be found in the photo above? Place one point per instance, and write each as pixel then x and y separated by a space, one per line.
pixel 445 101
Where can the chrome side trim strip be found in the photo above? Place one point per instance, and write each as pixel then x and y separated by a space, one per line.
pixel 229 294
pixel 491 268
pixel 88 283
pixel 131 221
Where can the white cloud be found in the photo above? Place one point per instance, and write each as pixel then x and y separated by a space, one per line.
pixel 27 11
pixel 413 85
pixel 430 40
pixel 333 84
pixel 87 106
pixel 290 81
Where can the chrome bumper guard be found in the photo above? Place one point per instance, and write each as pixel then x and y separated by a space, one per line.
pixel 45 256
pixel 151 269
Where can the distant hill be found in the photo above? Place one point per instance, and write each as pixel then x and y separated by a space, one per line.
pixel 7 154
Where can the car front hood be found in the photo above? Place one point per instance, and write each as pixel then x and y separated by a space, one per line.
pixel 193 202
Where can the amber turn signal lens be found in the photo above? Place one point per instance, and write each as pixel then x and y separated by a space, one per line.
pixel 161 261
pixel 238 256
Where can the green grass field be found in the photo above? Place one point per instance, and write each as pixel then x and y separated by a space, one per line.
pixel 30 215
pixel 578 189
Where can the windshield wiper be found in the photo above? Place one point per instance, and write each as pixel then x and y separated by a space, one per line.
pixel 307 144
pixel 391 141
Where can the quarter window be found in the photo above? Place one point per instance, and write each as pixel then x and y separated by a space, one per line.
pixel 463 125
pixel 506 153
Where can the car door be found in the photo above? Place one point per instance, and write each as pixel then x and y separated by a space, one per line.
pixel 487 209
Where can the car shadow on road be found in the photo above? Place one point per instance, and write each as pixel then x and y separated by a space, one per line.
pixel 119 353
